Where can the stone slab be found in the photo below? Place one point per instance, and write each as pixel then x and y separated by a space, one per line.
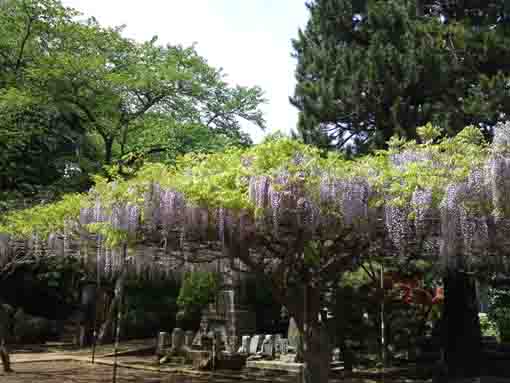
pixel 255 343
pixel 274 365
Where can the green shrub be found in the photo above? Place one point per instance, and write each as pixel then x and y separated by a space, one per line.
pixel 487 326
pixel 198 289
pixel 499 311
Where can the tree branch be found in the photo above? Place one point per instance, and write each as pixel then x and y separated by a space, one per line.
pixel 25 39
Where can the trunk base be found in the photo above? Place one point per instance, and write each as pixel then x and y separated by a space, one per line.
pixel 316 355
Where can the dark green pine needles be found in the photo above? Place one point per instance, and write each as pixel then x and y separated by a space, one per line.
pixel 370 69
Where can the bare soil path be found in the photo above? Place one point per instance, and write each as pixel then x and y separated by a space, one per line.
pixel 136 363
pixel 76 372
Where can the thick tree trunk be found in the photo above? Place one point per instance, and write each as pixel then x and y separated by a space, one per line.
pixel 118 325
pixel 88 309
pixel 316 354
pixel 316 341
pixel 460 332
pixel 119 289
pixel 107 324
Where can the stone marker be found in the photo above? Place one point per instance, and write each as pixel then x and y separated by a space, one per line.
pixel 268 346
pixel 217 342
pixel 163 341
pixel 177 340
pixel 201 333
pixel 293 334
pixel 284 346
pixel 277 344
pixel 245 345
pixel 254 344
pixel 188 338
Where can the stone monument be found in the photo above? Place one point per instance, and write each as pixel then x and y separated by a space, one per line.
pixel 293 334
pixel 245 345
pixel 188 339
pixel 162 343
pixel 268 347
pixel 277 344
pixel 255 344
pixel 177 340
pixel 284 346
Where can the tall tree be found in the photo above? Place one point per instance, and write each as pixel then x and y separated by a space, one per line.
pixel 119 83
pixel 75 96
pixel 370 69
pixel 39 140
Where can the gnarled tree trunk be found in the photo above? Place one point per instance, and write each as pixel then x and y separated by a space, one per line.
pixel 88 310
pixel 117 299
pixel 315 337
pixel 316 354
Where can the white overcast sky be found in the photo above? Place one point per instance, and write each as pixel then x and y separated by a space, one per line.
pixel 249 39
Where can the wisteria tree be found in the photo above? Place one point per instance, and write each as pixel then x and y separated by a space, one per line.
pixel 286 211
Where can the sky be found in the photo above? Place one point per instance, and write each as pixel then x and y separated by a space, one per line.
pixel 249 39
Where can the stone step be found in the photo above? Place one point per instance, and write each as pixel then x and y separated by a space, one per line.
pixel 278 365
pixel 173 360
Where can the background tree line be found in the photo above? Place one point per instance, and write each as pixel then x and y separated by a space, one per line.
pixel 76 96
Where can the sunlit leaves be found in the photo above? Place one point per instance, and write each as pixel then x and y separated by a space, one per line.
pixel 398 177
pixel 44 219
pixel 428 133
pixel 75 91
pixel 198 289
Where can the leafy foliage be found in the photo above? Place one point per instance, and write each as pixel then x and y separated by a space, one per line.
pixel 45 148
pixel 499 311
pixel 75 96
pixel 223 179
pixel 302 218
pixel 197 290
pixel 44 287
pixel 44 219
pixel 487 326
pixel 368 70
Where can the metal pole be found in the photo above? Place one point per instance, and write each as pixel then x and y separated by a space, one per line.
pixel 98 291
pixel 117 336
pixel 383 342
pixel 303 338
pixel 213 361
pixel 119 314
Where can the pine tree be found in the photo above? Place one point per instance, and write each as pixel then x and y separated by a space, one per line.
pixel 369 69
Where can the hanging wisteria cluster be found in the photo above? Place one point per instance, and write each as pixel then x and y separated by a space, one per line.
pixel 465 221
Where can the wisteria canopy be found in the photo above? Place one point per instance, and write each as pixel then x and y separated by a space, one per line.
pixel 443 197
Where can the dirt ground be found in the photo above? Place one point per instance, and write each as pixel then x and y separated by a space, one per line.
pixel 56 363
pixel 75 372
pixel 82 372
pixel 44 364
pixel 79 372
